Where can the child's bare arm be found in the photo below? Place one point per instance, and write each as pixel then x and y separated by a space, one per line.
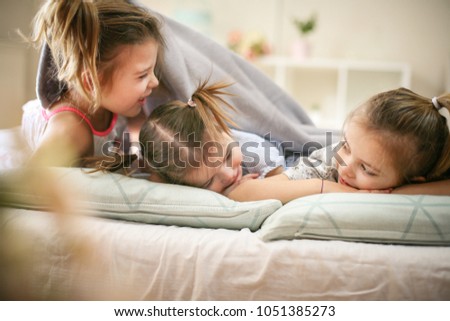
pixel 65 140
pixel 281 188
pixel 431 188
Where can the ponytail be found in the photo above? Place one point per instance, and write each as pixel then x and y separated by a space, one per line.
pixel 71 30
pixel 208 104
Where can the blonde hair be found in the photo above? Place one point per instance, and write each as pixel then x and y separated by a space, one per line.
pixel 412 129
pixel 175 130
pixel 84 37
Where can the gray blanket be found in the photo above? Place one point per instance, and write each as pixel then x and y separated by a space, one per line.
pixel 262 107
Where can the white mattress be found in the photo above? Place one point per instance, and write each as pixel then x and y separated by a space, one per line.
pixel 92 258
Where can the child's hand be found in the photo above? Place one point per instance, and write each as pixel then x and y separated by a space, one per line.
pixel 248 177
pixel 332 187
pixel 243 179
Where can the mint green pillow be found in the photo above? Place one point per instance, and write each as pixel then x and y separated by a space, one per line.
pixel 376 218
pixel 120 197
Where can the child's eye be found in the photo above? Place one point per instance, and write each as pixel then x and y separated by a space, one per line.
pixel 143 76
pixel 207 183
pixel 367 170
pixel 345 146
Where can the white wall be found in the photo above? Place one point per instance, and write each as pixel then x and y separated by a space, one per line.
pixel 18 61
pixel 412 31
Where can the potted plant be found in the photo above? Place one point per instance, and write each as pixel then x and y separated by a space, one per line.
pixel 307 26
pixel 301 48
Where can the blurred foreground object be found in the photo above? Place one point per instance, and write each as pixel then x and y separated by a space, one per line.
pixel 22 245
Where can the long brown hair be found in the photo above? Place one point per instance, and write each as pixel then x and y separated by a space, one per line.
pixel 176 132
pixel 84 37
pixel 412 129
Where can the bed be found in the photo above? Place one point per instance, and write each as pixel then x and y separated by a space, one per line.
pixel 69 235
pixel 170 249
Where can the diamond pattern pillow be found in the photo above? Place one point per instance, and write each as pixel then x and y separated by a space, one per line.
pixel 120 197
pixel 377 218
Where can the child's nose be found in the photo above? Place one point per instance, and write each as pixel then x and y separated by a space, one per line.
pixel 153 82
pixel 237 158
pixel 348 169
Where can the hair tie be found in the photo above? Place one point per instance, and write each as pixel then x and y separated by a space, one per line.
pixel 442 111
pixel 436 103
pixel 191 103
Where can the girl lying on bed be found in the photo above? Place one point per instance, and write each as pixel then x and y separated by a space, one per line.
pixel 395 138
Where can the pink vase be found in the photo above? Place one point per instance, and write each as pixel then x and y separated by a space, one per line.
pixel 301 49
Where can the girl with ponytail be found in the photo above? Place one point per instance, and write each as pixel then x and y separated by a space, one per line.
pixel 182 142
pixel 105 54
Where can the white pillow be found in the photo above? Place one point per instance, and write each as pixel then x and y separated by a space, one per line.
pixel 378 218
pixel 120 197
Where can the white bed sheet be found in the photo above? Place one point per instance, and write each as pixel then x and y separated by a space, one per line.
pixel 94 258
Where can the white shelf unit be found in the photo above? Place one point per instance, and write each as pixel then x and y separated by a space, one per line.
pixel 330 88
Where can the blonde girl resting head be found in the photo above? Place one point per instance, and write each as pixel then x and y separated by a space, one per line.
pixel 384 147
pixel 400 136
pixel 190 143
pixel 395 137
pixel 105 53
